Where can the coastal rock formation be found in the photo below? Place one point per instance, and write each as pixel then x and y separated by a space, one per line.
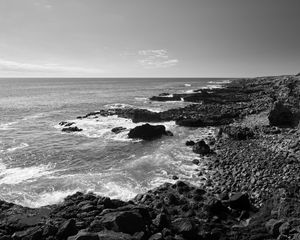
pixel 117 130
pixel 148 132
pixel 71 129
pixel 280 115
pixel 238 132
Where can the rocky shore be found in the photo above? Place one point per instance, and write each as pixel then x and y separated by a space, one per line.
pixel 252 174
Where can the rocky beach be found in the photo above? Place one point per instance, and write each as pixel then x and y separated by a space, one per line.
pixel 249 187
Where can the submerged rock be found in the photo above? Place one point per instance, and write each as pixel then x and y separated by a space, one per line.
pixel 71 129
pixel 117 130
pixel 148 132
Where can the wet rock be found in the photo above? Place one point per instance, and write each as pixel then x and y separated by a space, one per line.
pixel 196 161
pixel 71 129
pixel 147 132
pixel 184 226
pixel 127 222
pixel 201 148
pixel 82 235
pixel 34 233
pixel 280 115
pixel 117 130
pixel 68 228
pixel 189 143
pixel 110 235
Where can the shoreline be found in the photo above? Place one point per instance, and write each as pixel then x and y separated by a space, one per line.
pixel 229 203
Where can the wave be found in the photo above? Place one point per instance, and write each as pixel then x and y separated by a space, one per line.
pixel 46 198
pixel 220 82
pixel 17 175
pixel 101 127
pixel 187 85
pixel 7 126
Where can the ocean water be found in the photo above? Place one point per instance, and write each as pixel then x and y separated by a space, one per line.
pixel 40 165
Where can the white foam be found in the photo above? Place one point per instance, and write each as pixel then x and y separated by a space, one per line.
pixel 7 126
pixel 118 105
pixel 19 174
pixel 21 146
pixel 219 82
pixel 46 198
pixel 187 85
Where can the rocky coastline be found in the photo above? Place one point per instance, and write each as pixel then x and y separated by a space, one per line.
pixel 252 173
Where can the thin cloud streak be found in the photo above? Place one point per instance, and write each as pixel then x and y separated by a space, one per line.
pixel 156 59
pixel 13 66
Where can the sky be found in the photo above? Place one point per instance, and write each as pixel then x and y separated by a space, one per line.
pixel 149 38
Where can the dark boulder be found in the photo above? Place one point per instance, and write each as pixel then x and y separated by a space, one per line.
pixel 117 130
pixel 185 226
pixel 68 228
pixel 148 132
pixel 189 143
pixel 238 133
pixel 144 115
pixel 280 115
pixel 71 129
pixel 124 221
pixel 240 201
pixel 201 148
pixel 190 122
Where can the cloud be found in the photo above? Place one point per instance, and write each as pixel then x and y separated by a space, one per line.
pixel 17 67
pixel 156 59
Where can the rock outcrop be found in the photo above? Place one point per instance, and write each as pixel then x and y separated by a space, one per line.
pixel 148 132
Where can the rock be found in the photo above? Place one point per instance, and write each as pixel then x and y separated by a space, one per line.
pixel 201 148
pixel 190 143
pixel 71 129
pixel 280 115
pixel 238 133
pixel 156 236
pixel 110 235
pixel 81 235
pixel 273 226
pixel 184 226
pixel 68 228
pixel 34 233
pixel 190 122
pixel 147 132
pixel 239 201
pixel 125 221
pixel 144 115
pixel 117 130
pixel 196 161
pixel 174 177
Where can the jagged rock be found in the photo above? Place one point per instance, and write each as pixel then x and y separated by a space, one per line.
pixel 123 221
pixel 68 228
pixel 34 233
pixel 147 132
pixel 280 115
pixel 184 226
pixel 117 130
pixel 71 129
pixel 201 148
pixel 82 235
pixel 110 235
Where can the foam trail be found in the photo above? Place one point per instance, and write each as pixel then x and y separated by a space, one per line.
pixel 21 146
pixel 7 126
pixel 17 175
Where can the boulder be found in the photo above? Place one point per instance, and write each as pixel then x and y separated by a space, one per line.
pixel 84 236
pixel 273 226
pixel 71 129
pixel 34 233
pixel 123 221
pixel 201 148
pixel 110 235
pixel 117 130
pixel 148 132
pixel 189 143
pixel 280 115
pixel 238 133
pixel 240 201
pixel 68 228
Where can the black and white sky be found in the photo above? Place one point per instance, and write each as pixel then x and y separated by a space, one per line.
pixel 149 38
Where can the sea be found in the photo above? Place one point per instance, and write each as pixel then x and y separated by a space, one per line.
pixel 40 165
